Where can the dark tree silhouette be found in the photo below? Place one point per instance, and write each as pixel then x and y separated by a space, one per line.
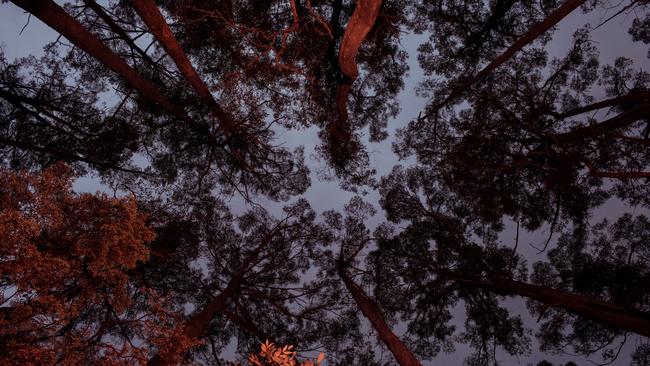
pixel 181 107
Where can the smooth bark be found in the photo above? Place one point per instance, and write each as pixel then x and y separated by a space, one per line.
pixel 362 20
pixel 150 14
pixel 364 17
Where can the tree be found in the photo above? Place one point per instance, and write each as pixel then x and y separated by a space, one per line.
pixel 66 292
pixel 245 163
pixel 353 239
pixel 535 32
pixel 51 120
pixel 535 169
pixel 592 291
pixel 289 41
pixel 180 107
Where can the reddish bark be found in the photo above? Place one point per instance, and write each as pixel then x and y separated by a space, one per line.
pixel 613 315
pixel 54 16
pixel 364 17
pixel 150 14
pixel 362 20
pixel 370 310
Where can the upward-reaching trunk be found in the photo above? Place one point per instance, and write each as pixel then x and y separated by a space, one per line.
pixel 364 17
pixel 613 315
pixel 370 310
pixel 150 14
pixel 362 20
pixel 197 325
pixel 637 97
pixel 55 17
pixel 622 120
pixel 539 29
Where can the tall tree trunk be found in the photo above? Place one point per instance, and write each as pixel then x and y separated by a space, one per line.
pixel 197 325
pixel 362 20
pixel 613 315
pixel 54 16
pixel 150 14
pixel 539 29
pixel 370 310
pixel 364 17
pixel 640 97
pixel 622 120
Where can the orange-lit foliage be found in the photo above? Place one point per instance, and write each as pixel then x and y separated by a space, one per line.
pixel 272 355
pixel 65 294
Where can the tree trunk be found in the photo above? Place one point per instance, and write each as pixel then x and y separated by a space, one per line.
pixel 364 17
pixel 613 315
pixel 634 97
pixel 369 309
pixel 54 16
pixel 148 11
pixel 362 20
pixel 622 120
pixel 197 325
pixel 539 29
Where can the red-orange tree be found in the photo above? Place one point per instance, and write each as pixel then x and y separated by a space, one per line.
pixel 64 260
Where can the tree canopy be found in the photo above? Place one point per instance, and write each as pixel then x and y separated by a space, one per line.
pixel 213 125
